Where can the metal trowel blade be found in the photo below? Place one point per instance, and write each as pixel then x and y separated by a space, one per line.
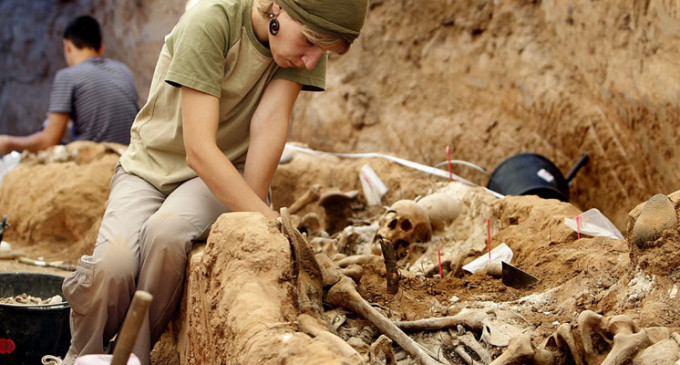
pixel 516 278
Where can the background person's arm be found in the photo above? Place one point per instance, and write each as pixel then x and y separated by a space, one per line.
pixel 50 136
pixel 200 119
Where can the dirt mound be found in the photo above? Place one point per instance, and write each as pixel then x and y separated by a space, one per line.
pixel 55 200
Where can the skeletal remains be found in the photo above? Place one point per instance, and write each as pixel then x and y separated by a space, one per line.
pixel 595 339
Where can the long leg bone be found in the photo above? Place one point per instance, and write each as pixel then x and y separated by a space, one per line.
pixel 310 196
pixel 357 259
pixel 470 319
pixel 344 294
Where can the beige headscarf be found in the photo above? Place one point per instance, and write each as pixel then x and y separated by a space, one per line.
pixel 342 17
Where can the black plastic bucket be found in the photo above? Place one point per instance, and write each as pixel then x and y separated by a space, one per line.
pixel 529 174
pixel 28 332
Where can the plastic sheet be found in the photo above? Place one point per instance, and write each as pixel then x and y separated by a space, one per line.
pixel 8 162
pixel 500 253
pixel 373 187
pixel 595 224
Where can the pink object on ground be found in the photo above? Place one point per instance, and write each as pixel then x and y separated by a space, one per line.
pixel 488 231
pixel 103 360
pixel 439 253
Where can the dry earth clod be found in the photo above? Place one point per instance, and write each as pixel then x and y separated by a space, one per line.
pixel 657 215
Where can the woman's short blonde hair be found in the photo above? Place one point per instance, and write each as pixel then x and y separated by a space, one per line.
pixel 322 39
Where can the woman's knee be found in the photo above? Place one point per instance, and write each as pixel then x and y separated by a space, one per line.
pixel 108 276
pixel 168 232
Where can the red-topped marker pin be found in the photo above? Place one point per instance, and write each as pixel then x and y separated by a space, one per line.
pixel 488 231
pixel 439 253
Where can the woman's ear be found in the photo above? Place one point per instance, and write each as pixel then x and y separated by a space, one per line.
pixel 276 9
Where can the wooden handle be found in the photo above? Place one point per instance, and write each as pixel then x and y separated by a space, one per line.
pixel 133 321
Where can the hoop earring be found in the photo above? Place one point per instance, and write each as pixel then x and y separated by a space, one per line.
pixel 274 26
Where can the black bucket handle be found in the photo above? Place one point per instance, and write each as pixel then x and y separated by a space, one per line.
pixel 577 166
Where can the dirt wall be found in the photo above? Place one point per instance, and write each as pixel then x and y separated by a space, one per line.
pixel 490 79
pixel 495 78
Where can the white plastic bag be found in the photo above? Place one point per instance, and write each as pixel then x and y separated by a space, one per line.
pixel 373 187
pixel 8 162
pixel 103 360
pixel 501 253
pixel 594 223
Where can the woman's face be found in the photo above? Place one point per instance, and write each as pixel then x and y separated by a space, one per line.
pixel 290 47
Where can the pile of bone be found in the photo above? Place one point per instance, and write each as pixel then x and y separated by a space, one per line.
pixel 614 340
pixel 25 299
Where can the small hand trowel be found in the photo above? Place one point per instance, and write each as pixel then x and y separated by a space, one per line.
pixel 514 277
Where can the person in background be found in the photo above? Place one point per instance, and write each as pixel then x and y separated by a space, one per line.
pixel 97 94
pixel 207 142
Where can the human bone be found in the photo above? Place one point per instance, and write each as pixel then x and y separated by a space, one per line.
pixel 519 351
pixel 628 340
pixel 592 329
pixel 470 342
pixel 405 222
pixel 556 348
pixel 381 353
pixel 663 352
pixel 441 208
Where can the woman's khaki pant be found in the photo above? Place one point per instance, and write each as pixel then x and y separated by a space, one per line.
pixel 142 245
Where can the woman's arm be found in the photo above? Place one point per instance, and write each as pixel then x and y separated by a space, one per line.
pixel 268 133
pixel 200 119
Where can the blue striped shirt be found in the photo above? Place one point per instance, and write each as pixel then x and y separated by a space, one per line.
pixel 100 96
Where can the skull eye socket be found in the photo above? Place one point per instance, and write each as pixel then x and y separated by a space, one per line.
pixel 392 224
pixel 406 225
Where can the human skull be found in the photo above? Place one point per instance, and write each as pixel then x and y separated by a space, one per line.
pixel 405 222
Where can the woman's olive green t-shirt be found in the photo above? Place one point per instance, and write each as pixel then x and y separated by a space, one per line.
pixel 212 49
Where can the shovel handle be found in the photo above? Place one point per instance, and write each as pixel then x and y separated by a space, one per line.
pixel 133 321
